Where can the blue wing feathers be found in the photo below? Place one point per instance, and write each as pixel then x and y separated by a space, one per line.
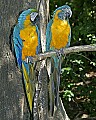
pixel 17 45
pixel 16 35
pixel 48 35
pixel 38 50
pixel 22 17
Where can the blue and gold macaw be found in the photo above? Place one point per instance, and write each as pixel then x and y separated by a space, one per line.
pixel 26 40
pixel 58 36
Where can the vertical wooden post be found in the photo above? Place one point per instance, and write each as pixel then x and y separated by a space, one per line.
pixel 43 12
pixel 43 7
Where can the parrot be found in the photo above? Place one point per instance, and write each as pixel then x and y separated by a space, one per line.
pixel 26 42
pixel 58 36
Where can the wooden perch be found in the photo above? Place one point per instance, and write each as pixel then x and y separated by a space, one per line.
pixel 73 49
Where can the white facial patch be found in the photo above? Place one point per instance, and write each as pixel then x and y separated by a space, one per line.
pixel 70 12
pixel 33 15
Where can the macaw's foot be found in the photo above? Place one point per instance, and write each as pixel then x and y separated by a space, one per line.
pixel 62 52
pixel 58 53
pixel 29 59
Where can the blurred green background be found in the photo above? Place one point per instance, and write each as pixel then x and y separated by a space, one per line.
pixel 78 76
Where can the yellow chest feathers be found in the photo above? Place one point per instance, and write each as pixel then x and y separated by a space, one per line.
pixel 60 31
pixel 30 41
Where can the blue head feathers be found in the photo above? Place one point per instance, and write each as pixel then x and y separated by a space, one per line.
pixel 64 13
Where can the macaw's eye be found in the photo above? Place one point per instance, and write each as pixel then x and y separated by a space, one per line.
pixel 61 15
pixel 63 9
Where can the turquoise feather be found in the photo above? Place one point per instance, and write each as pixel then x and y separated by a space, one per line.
pixel 27 69
pixel 55 61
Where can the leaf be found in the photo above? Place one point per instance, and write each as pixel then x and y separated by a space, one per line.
pixel 93 63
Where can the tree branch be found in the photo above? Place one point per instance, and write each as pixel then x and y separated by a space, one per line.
pixel 69 50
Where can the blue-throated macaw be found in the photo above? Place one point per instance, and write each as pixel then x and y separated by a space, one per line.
pixel 58 36
pixel 26 40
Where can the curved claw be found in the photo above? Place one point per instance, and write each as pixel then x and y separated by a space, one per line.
pixel 58 53
pixel 62 51
pixel 29 59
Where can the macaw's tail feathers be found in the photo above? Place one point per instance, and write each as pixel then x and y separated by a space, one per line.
pixel 57 71
pixel 29 82
pixel 50 69
pixel 56 78
pixel 51 95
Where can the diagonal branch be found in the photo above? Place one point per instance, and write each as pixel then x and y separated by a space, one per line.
pixel 69 50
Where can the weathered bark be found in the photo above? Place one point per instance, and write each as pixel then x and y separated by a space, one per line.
pixel 43 6
pixel 60 114
pixel 12 99
pixel 83 48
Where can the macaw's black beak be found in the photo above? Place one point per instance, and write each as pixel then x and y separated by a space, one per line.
pixel 67 15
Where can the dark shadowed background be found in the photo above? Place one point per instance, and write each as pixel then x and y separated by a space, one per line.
pixel 12 100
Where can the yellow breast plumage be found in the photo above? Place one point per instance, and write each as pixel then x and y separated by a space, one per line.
pixel 60 31
pixel 30 39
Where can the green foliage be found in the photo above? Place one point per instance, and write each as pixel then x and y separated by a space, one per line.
pixel 68 95
pixel 78 75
